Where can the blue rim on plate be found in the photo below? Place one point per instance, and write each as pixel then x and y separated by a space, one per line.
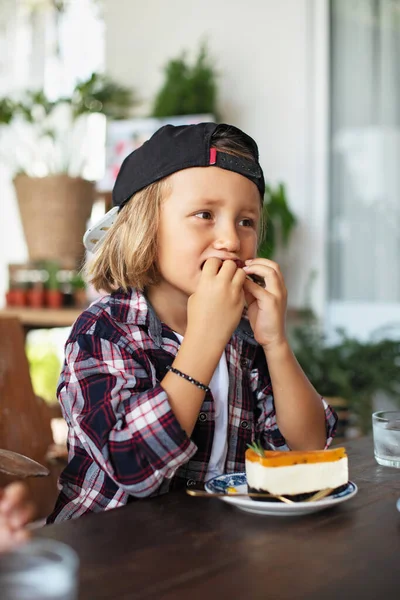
pixel 220 483
pixel 238 480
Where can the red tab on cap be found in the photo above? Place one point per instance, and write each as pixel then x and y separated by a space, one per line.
pixel 213 156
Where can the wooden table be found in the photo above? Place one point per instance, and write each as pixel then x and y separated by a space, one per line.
pixel 177 547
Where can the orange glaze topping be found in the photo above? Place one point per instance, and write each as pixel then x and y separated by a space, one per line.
pixel 275 458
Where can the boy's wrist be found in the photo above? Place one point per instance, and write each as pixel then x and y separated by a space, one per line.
pixel 198 357
pixel 277 348
pixel 210 342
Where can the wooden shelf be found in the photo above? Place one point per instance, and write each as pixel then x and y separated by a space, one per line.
pixel 42 317
pixel 65 317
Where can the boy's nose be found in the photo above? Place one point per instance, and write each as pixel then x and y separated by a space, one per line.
pixel 227 240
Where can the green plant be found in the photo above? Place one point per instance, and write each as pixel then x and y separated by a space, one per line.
pixel 42 137
pixel 349 368
pixel 52 281
pixel 44 366
pixel 101 95
pixel 187 89
pixel 77 282
pixel 8 109
pixel 280 220
pixel 97 94
pixel 257 447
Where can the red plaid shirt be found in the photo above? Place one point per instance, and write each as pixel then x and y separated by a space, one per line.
pixel 124 441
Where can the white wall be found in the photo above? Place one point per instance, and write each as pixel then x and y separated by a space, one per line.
pixel 270 56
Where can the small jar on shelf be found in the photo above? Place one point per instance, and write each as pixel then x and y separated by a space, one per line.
pixel 16 296
pixel 54 295
pixel 79 291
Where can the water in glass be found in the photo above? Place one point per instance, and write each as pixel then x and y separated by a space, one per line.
pixel 386 430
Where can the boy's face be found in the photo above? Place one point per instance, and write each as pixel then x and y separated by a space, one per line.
pixel 209 212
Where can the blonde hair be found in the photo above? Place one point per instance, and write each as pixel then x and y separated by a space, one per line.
pixel 127 256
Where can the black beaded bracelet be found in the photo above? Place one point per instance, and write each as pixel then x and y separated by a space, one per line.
pixel 203 387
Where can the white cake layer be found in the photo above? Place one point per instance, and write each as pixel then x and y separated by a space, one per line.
pixel 297 479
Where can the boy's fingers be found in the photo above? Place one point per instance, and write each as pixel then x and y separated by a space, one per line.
pixel 273 282
pixel 16 498
pixel 22 515
pixel 14 494
pixel 228 269
pixel 212 266
pixel 265 262
pixel 255 290
pixel 16 490
pixel 239 278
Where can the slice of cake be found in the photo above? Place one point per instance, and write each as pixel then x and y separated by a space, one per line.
pixel 295 474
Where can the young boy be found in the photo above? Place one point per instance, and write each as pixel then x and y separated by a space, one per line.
pixel 185 361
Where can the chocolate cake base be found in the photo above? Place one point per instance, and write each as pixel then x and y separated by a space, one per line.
pixel 294 498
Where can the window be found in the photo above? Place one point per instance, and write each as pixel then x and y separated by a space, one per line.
pixel 364 222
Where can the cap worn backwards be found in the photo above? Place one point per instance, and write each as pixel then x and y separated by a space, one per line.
pixel 170 149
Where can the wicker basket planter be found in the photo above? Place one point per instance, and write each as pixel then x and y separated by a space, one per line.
pixel 54 212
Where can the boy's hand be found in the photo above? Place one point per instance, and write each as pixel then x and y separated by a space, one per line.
pixel 266 307
pixel 216 307
pixel 16 510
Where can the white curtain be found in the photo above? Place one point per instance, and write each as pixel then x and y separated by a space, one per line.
pixel 364 222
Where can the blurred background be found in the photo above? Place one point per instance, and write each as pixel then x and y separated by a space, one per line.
pixel 315 82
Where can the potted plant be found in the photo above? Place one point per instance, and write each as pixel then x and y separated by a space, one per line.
pixel 79 291
pixel 347 371
pixel 187 89
pixel 16 295
pixel 45 145
pixel 36 295
pixel 35 277
pixel 280 220
pixel 54 295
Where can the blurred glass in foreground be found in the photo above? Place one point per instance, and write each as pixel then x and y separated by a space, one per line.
pixel 39 570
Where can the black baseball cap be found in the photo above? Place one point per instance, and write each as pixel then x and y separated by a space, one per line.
pixel 173 148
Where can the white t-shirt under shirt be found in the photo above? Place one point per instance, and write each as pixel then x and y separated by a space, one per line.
pixel 219 386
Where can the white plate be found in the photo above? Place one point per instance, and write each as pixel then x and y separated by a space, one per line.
pixel 238 481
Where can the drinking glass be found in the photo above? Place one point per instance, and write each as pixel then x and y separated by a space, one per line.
pixel 39 570
pixel 386 431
